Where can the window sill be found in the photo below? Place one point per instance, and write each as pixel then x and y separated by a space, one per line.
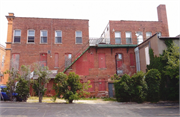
pixel 78 43
pixel 30 43
pixel 56 67
pixel 57 43
pixel 102 68
pixel 43 43
pixel 16 42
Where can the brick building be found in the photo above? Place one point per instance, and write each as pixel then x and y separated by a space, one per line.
pixel 2 58
pixel 64 45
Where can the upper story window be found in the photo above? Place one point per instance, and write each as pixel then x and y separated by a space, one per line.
pixel 118 37
pixel 58 36
pixel 78 37
pixel 31 34
pixel 128 38
pixel 43 36
pixel 17 36
pixel 139 37
pixel 148 34
pixel 159 34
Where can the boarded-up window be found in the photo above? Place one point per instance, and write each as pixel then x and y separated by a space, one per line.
pixel 56 60
pixel 119 64
pixel 15 61
pixel 43 59
pixel 132 60
pixel 102 85
pixel 92 84
pixel 102 61
pixel 147 55
pixel 68 59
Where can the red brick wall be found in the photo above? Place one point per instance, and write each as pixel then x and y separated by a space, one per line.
pixel 89 68
pixel 30 53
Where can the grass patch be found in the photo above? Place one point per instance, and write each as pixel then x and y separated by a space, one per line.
pixel 109 99
pixel 87 98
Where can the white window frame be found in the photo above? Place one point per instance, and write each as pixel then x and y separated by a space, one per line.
pixel 147 55
pixel 40 37
pixel 118 37
pixel 130 37
pixel 139 35
pixel 28 35
pixel 148 33
pixel 55 37
pixel 81 37
pixel 14 35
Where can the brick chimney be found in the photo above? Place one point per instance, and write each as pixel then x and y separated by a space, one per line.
pixel 162 17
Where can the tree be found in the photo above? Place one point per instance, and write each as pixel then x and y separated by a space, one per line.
pixel 172 57
pixel 69 86
pixel 23 84
pixel 153 78
pixel 42 73
pixel 11 84
pixel 123 88
pixel 139 87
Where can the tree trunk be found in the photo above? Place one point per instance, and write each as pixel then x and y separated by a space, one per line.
pixel 40 96
pixel 70 101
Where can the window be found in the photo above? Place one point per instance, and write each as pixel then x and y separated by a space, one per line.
pixel 132 59
pixel 56 60
pixel 31 34
pixel 159 34
pixel 3 61
pixel 58 37
pixel 102 61
pixel 15 61
pixel 147 55
pixel 17 36
pixel 102 85
pixel 43 59
pixel 78 37
pixel 68 58
pixel 91 83
pixel 139 37
pixel 128 38
pixel 148 34
pixel 119 64
pixel 118 37
pixel 44 36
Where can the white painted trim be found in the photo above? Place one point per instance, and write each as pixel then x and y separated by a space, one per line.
pixel 27 36
pixel 40 36
pixel 81 36
pixel 55 37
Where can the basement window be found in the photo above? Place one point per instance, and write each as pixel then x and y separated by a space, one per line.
pixel 31 34
pixel 17 36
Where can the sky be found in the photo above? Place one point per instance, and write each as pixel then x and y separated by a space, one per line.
pixel 99 12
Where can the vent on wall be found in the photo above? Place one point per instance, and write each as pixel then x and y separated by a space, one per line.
pixel 49 51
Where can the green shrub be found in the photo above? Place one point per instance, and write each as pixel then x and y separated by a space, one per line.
pixel 139 87
pixel 123 88
pixel 153 78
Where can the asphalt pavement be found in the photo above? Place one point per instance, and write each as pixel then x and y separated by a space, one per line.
pixel 82 109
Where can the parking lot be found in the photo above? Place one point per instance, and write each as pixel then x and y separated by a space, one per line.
pixel 83 109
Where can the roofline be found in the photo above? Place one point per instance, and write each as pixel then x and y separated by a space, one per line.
pixel 115 46
pixel 133 21
pixel 147 39
pixel 169 37
pixel 52 18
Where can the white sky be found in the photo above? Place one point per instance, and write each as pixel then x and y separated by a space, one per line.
pixel 99 12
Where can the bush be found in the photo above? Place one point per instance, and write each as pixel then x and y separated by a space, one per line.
pixel 139 87
pixel 69 86
pixel 123 88
pixel 153 78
